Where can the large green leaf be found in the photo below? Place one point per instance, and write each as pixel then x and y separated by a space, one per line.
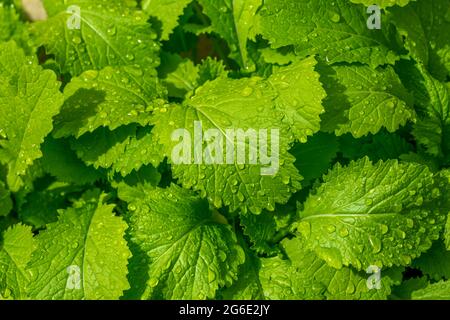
pixel 182 250
pixel 83 255
pixel 233 20
pixel 123 150
pixel 383 3
pixel 167 11
pixel 305 276
pixel 432 99
pixel 5 200
pixel 110 98
pixel 344 283
pixel 362 100
pixel 15 252
pixel 336 30
pixel 436 291
pixel 29 98
pixel 435 262
pixel 61 162
pixel 12 28
pixel 424 24
pixel 110 34
pixel 286 101
pixel 381 214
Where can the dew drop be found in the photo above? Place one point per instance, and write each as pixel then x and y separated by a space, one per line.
pixel 331 229
pixel 331 255
pixel 335 18
pixel 247 92
pixel 286 179
pixel 350 288
pixel 435 193
pixel 111 30
pixel 211 275
pixel 375 243
pixel 153 282
pixel 343 232
pixel 409 223
pixel 304 228
pixel 222 256
pixel 419 201
pixel 76 40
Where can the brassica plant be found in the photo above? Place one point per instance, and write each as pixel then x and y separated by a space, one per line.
pixel 225 149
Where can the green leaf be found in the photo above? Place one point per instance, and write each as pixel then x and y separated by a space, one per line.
pixel 12 28
pixel 344 283
pixel 382 146
pixel 336 30
pixel 423 25
pixel 407 287
pixel 435 262
pixel 182 77
pixel 271 279
pixel 60 161
pixel 33 175
pixel 381 214
pixel 362 100
pixel 186 249
pixel 264 230
pixel 239 186
pixel 435 291
pixel 211 69
pixel 53 7
pixel 29 98
pixel 432 99
pixel 41 206
pixel 444 187
pixel 137 184
pixel 279 57
pixel 248 285
pixel 178 74
pixel 304 276
pixel 300 96
pixel 109 98
pixel 110 34
pixel 6 204
pixel 384 3
pixel 86 243
pixel 123 150
pixel 421 159
pixel 167 11
pixel 281 280
pixel 15 252
pixel 315 156
pixel 233 20
pixel 285 101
